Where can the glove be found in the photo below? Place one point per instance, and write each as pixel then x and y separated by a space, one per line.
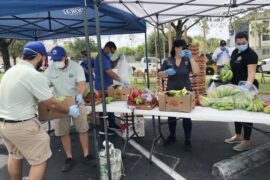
pixel 125 82
pixel 244 88
pixel 227 50
pixel 79 99
pixel 187 53
pixel 74 111
pixel 219 54
pixel 170 71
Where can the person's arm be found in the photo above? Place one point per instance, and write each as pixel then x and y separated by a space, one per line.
pixel 251 73
pixel 214 57
pixel 161 72
pixel 81 87
pixel 113 75
pixel 114 63
pixel 194 67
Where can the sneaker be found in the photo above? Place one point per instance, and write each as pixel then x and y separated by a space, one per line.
pixel 115 126
pixel 187 145
pixel 110 132
pixel 233 140
pixel 243 146
pixel 170 140
pixel 87 159
pixel 69 164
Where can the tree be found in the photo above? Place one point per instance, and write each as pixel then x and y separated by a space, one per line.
pixel 259 29
pixel 16 49
pixel 75 47
pixel 4 44
pixel 151 43
pixel 140 52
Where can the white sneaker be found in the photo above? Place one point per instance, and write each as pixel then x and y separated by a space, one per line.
pixel 243 146
pixel 233 140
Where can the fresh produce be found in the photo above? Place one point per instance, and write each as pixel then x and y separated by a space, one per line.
pixel 227 65
pixel 109 100
pixel 204 101
pixel 225 103
pixel 87 96
pixel 61 98
pixel 267 102
pixel 226 75
pixel 243 100
pixel 267 109
pixel 141 97
pixel 257 105
pixel 223 91
pixel 177 93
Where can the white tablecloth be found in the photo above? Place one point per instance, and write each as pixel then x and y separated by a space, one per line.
pixel 198 114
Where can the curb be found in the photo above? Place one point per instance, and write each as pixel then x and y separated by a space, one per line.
pixel 239 164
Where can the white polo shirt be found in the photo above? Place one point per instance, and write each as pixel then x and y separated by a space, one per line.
pixel 65 80
pixel 20 90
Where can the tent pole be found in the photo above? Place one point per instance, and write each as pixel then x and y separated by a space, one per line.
pixel 158 41
pixel 90 73
pixel 146 56
pixel 105 116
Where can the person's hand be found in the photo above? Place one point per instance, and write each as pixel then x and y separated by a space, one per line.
pixel 186 53
pixel 125 83
pixel 79 99
pixel 170 72
pixel 74 111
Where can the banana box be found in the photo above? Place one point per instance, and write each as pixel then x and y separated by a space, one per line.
pixel 47 113
pixel 183 103
pixel 120 93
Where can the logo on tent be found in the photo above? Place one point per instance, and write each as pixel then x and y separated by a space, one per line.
pixel 73 11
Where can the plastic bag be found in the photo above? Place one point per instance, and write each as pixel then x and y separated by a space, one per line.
pixel 123 69
pixel 251 88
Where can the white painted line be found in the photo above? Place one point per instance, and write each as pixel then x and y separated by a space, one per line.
pixel 171 172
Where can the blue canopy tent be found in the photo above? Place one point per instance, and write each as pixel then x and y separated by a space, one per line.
pixel 36 20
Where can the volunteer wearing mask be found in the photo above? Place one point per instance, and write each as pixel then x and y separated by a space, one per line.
pixel 243 62
pixel 67 78
pixel 21 88
pixel 109 75
pixel 221 55
pixel 178 68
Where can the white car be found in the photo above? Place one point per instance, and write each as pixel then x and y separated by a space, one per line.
pixel 264 66
pixel 153 63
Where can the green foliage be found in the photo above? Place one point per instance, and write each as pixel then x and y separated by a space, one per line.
pixel 16 48
pixel 127 51
pixel 140 52
pixel 75 47
pixel 151 43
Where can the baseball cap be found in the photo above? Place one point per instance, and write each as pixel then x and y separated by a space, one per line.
pixel 222 43
pixel 57 53
pixel 33 48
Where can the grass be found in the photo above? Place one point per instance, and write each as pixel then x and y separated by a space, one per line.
pixel 264 88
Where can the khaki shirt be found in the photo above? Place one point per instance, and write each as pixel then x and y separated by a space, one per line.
pixel 65 80
pixel 20 90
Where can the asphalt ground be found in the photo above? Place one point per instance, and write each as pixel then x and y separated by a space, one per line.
pixel 207 148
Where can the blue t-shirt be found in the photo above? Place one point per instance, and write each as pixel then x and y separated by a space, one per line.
pixel 107 64
pixel 84 65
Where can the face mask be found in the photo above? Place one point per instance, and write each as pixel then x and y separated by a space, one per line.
pixel 59 65
pixel 242 48
pixel 182 54
pixel 110 54
pixel 39 65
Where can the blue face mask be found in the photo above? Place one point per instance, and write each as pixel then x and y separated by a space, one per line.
pixel 242 48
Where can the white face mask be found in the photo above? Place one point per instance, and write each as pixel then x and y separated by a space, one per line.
pixel 59 64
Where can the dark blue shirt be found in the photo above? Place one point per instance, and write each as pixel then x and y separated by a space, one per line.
pixel 181 78
pixel 84 65
pixel 107 64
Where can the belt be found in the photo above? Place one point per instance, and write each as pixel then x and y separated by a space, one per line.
pixel 13 121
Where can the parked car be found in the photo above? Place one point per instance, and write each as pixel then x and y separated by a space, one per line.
pixel 264 66
pixel 153 63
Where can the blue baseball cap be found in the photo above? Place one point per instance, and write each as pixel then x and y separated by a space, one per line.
pixel 57 53
pixel 33 48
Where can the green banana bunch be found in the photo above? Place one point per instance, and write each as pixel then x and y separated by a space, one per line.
pixel 138 100
pixel 204 101
pixel 223 91
pixel 177 93
pixel 223 105
pixel 227 65
pixel 226 75
pixel 109 100
pixel 61 98
pixel 243 100
pixel 257 105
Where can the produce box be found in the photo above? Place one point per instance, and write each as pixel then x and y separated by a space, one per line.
pixel 142 99
pixel 138 124
pixel 183 103
pixel 47 113
pixel 120 93
pixel 87 97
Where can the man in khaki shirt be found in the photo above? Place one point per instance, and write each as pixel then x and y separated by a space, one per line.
pixel 21 88
pixel 68 79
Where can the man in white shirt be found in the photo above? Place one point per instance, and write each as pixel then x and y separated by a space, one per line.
pixel 221 55
pixel 21 88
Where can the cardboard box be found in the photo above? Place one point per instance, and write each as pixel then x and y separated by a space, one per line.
pixel 47 113
pixel 184 103
pixel 138 124
pixel 120 93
